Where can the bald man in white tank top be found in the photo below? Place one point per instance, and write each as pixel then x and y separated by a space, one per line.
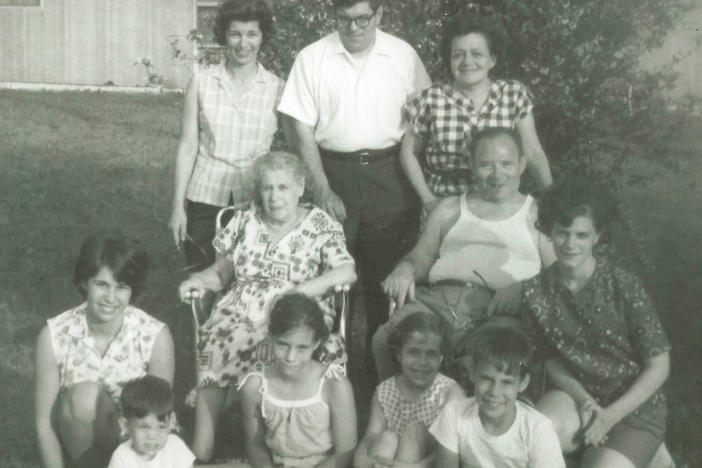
pixel 473 245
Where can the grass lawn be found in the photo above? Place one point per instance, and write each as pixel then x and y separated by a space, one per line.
pixel 74 162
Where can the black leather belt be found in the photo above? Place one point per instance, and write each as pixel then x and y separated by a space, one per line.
pixel 364 157
pixel 455 282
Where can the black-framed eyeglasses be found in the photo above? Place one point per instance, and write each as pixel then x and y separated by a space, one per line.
pixel 361 22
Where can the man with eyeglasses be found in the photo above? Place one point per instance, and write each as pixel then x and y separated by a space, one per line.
pixel 342 109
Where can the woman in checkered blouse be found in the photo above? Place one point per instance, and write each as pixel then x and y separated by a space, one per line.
pixel 443 117
pixel 229 120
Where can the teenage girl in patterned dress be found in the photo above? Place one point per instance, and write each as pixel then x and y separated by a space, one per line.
pixel 298 412
pixel 405 405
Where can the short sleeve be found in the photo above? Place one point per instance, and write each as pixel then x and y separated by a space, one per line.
pixel 524 102
pixel 417 113
pixel 182 456
pixel 229 235
pixel 444 428
pixel 545 449
pixel 298 99
pixel 645 330
pixel 148 328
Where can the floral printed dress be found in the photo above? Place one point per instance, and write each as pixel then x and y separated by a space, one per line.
pixel 126 358
pixel 262 272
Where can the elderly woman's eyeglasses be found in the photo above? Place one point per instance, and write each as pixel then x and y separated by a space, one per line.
pixel 361 22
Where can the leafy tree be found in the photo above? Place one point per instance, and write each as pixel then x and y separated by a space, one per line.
pixel 595 106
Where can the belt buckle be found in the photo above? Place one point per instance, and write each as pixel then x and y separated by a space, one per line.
pixel 364 158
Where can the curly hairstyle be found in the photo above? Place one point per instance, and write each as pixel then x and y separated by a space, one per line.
pixel 296 310
pixel 242 10
pixel 462 25
pixel 124 256
pixel 420 322
pixel 281 160
pixel 577 196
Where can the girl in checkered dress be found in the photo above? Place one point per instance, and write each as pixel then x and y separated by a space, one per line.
pixel 405 405
pixel 436 148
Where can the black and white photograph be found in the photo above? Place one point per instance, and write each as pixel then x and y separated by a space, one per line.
pixel 350 233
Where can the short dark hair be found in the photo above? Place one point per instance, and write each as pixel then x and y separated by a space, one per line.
pixel 464 24
pixel 420 322
pixel 573 197
pixel 147 395
pixel 242 10
pixel 296 310
pixel 123 255
pixel 374 4
pixel 507 347
pixel 492 133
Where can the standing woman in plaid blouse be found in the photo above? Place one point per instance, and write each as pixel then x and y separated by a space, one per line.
pixel 229 120
pixel 443 117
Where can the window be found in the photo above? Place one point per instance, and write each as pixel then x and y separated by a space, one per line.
pixel 205 17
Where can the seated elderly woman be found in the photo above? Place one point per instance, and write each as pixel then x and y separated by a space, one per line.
pixel 270 247
pixel 607 354
pixel 472 245
pixel 86 354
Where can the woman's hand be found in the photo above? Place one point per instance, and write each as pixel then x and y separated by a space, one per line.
pixel 399 285
pixel 595 423
pixel 179 225
pixel 193 287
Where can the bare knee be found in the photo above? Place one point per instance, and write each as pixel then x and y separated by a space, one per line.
pixel 415 444
pixel 79 402
pixel 562 410
pixel 604 457
pixel 385 445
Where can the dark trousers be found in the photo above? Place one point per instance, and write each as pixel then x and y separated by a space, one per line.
pixel 199 253
pixel 381 220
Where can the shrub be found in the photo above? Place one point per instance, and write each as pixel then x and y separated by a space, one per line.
pixel 595 106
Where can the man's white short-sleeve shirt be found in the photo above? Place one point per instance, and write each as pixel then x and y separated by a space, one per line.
pixel 531 441
pixel 353 105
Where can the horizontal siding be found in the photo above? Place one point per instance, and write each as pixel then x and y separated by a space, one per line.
pixel 94 41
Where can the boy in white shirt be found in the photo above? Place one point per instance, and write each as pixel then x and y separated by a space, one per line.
pixel 493 429
pixel 147 418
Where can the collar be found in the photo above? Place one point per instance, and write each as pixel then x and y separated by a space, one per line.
pixel 77 326
pixel 462 101
pixel 219 72
pixel 382 45
pixel 554 284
